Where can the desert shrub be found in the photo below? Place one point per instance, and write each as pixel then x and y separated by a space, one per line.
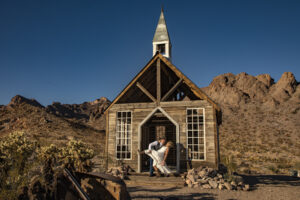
pixel 75 155
pixel 15 153
pixel 22 158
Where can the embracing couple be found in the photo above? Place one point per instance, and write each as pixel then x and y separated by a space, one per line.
pixel 158 152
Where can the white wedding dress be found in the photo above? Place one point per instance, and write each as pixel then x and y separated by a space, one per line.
pixel 158 157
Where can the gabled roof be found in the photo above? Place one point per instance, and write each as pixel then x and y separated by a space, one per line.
pixel 197 91
pixel 161 32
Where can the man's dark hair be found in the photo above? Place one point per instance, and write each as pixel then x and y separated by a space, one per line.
pixel 162 138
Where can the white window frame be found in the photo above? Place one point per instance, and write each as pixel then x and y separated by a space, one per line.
pixel 117 123
pixel 204 135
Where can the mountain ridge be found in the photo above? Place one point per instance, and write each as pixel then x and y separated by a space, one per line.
pixel 259 130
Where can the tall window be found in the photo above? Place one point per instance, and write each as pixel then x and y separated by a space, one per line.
pixel 195 133
pixel 123 135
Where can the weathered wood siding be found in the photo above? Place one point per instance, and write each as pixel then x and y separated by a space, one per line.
pixel 177 111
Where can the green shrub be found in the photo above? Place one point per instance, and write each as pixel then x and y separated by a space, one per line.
pixel 15 151
pixel 21 158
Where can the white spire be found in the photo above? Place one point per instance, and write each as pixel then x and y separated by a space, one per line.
pixel 161 40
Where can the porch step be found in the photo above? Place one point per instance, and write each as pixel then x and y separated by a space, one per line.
pixel 140 180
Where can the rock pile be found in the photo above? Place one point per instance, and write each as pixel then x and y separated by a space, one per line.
pixel 209 178
pixel 122 171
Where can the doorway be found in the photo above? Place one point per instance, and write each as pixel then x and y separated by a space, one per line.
pixel 158 124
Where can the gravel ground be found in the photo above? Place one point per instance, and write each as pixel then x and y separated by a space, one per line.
pixel 262 188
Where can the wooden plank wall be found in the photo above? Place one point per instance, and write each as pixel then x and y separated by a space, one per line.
pixel 176 110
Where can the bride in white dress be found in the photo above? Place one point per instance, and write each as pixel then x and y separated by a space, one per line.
pixel 159 158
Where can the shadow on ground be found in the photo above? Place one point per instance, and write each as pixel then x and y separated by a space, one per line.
pixel 274 180
pixel 200 196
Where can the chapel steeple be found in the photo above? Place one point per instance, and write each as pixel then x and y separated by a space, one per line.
pixel 161 40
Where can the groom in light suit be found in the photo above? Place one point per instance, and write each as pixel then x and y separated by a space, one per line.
pixel 156 145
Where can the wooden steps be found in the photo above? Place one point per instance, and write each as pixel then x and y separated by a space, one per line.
pixel 140 180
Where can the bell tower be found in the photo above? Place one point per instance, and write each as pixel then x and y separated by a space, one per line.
pixel 161 40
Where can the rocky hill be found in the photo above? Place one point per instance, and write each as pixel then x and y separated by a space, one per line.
pixel 260 128
pixel 56 123
pixel 261 121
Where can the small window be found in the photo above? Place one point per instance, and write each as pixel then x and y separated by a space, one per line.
pixel 123 135
pixel 195 133
pixel 161 48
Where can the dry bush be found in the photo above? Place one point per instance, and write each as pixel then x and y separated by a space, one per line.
pixel 22 158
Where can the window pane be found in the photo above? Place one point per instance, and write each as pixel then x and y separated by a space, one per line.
pixel 123 135
pixel 195 133
pixel 189 112
pixel 195 119
pixel 195 126
pixel 201 156
pixel 201 134
pixel 196 141
pixel 200 118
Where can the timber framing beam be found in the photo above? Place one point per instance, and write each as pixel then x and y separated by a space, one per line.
pixel 177 84
pixel 146 92
pixel 158 81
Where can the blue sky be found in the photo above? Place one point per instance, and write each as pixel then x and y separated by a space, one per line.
pixel 74 51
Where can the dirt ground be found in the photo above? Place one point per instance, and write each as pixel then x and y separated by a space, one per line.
pixel 267 187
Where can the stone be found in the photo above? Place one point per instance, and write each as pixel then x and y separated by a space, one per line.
pixel 202 173
pixel 246 187
pixel 191 171
pixel 228 186
pixel 221 186
pixel 206 186
pixel 188 181
pixel 219 176
pixel 199 168
pixel 213 184
pixel 238 178
pixel 190 185
pixel 191 177
pixel 233 183
pixel 202 181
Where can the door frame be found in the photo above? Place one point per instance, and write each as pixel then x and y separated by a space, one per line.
pixel 177 137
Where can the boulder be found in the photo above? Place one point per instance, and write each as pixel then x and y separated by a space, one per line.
pixel 246 187
pixel 206 186
pixel 191 177
pixel 202 181
pixel 202 173
pixel 228 186
pixel 213 184
pixel 221 186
